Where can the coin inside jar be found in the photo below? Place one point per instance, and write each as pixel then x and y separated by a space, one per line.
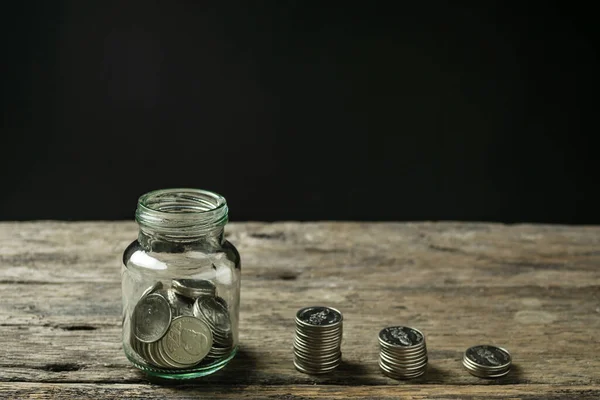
pixel 193 288
pixel 151 318
pixel 187 342
pixel 156 286
pixel 180 305
pixel 214 313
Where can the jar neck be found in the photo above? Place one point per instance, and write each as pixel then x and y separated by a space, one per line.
pixel 176 219
pixel 154 242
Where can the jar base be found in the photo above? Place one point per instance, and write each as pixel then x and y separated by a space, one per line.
pixel 196 372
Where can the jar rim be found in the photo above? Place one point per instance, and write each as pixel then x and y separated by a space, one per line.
pixel 144 200
pixel 181 213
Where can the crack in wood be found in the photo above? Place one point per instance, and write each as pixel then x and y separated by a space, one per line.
pixel 268 236
pixel 76 327
pixel 62 367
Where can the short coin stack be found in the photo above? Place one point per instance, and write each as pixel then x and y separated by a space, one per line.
pixel 487 361
pixel 181 326
pixel 317 345
pixel 403 353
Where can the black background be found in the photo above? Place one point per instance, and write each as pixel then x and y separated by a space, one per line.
pixel 302 110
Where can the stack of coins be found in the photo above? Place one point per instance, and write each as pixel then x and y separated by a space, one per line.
pixel 317 345
pixel 181 326
pixel 487 361
pixel 403 354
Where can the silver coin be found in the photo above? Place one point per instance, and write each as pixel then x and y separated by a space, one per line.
pixel 318 339
pixel 478 372
pixel 169 362
pixel 402 350
pixel 317 359
pixel 149 355
pixel 398 374
pixel 194 288
pixel 404 355
pixel 154 357
pixel 303 337
pixel 403 367
pixel 223 343
pixel 401 336
pixel 219 351
pixel 320 364
pixel 180 305
pixel 334 341
pixel 314 371
pixel 314 348
pixel 319 333
pixel 218 355
pixel 222 301
pixel 488 357
pixel 187 341
pixel 153 288
pixel 319 316
pixel 151 318
pixel 141 349
pixel 214 313
pixel 134 343
pixel 404 360
pixel 470 365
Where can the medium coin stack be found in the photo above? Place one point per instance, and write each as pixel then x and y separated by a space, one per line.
pixel 181 326
pixel 317 345
pixel 487 361
pixel 403 353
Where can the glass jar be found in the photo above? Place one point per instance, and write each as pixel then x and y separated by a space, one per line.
pixel 181 286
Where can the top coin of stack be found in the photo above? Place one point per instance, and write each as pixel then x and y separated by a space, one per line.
pixel 487 361
pixel 317 345
pixel 403 353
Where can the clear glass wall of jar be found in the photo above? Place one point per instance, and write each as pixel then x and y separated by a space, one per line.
pixel 181 286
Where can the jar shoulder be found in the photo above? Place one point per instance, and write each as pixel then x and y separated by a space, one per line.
pixel 135 252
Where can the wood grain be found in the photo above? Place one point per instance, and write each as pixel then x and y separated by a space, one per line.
pixel 534 289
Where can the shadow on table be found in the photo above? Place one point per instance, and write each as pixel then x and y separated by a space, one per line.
pixel 433 374
pixel 514 376
pixel 349 373
pixel 236 373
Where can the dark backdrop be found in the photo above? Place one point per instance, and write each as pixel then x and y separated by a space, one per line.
pixel 302 110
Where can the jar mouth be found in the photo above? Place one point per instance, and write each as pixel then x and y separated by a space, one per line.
pixel 181 212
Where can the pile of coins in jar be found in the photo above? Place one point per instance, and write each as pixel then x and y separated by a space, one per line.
pixel 181 326
pixel 402 350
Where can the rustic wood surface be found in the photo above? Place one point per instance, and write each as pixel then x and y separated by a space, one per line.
pixel 534 289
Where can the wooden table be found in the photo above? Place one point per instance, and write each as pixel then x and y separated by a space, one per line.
pixel 531 288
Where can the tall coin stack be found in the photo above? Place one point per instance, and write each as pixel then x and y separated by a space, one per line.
pixel 181 326
pixel 317 345
pixel 487 361
pixel 403 353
